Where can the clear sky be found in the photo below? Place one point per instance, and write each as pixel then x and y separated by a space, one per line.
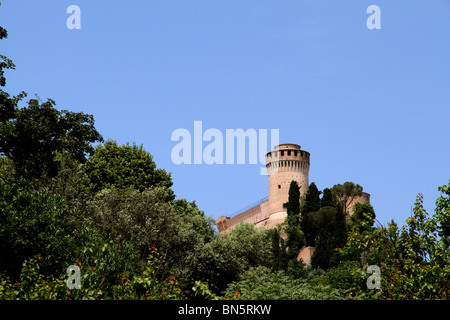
pixel 371 106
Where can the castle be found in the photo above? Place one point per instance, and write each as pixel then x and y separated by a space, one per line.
pixel 285 163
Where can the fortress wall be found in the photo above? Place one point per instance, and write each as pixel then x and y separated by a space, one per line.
pixel 272 220
pixel 253 215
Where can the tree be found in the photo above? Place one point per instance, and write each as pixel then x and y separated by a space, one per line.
pixel 312 199
pixel 341 232
pixel 261 284
pixel 293 205
pixel 144 216
pixel 295 238
pixel 275 238
pixel 328 200
pixel 325 244
pixel 362 212
pixel 414 259
pixel 311 206
pixel 5 63
pixel 223 259
pixel 346 193
pixel 120 167
pixel 31 136
pixel 330 223
pixel 32 222
pixel 196 223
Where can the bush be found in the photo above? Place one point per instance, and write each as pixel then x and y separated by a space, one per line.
pixel 262 284
pixel 32 222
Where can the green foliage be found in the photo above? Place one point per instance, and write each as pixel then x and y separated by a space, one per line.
pixel 278 246
pixel 148 287
pixel 143 215
pixel 32 135
pixel 328 199
pixel 262 284
pixel 94 285
pixel 312 199
pixel 33 285
pixel 330 223
pixel 125 166
pixel 310 207
pixel 293 205
pixel 202 292
pixel 196 225
pixel 5 63
pixel 414 259
pixel 295 237
pixel 70 183
pixel 176 231
pixel 363 217
pixel 32 222
pixel 221 260
pixel 349 277
pixel 346 193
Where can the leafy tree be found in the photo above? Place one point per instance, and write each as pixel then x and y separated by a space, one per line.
pixel 99 280
pixel 221 260
pixel 32 135
pixel 362 212
pixel 414 259
pixel 259 283
pixel 131 213
pixel 330 221
pixel 178 230
pixel 195 222
pixel 5 63
pixel 349 277
pixel 346 193
pixel 120 167
pixel 70 182
pixel 32 222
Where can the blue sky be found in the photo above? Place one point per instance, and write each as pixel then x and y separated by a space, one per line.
pixel 371 106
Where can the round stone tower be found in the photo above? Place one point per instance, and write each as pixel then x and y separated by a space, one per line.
pixel 284 164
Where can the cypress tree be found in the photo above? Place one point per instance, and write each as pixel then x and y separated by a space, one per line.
pixel 293 205
pixel 325 244
pixel 312 205
pixel 275 237
pixel 312 199
pixel 327 198
pixel 294 236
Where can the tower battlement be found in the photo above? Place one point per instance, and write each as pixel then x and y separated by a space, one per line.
pixel 287 157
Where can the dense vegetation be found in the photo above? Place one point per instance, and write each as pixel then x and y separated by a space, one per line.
pixel 67 197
